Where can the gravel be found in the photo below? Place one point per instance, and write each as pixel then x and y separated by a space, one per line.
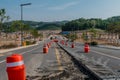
pixel 51 72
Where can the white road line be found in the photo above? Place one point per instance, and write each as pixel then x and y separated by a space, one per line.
pixel 106 55
pixel 2 61
pixel 21 53
pixel 29 50
pixel 103 54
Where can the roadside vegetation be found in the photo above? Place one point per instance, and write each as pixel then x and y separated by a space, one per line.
pixel 89 28
pixel 15 29
pixel 93 29
pixel 85 24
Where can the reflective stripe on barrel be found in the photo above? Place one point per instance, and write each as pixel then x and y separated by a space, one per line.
pixel 14 64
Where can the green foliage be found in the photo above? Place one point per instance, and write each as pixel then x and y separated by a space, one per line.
pixel 72 36
pixel 41 35
pixel 85 36
pixel 8 46
pixel 30 43
pixel 34 42
pixel 3 18
pixel 93 32
pixel 51 38
pixel 93 43
pixel 111 24
pixel 83 24
pixel 114 27
pixel 2 15
pixel 41 25
pixel 49 27
pixel 18 26
pixel 35 34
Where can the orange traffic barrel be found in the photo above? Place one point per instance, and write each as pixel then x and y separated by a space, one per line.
pixel 63 42
pixel 55 40
pixel 45 48
pixel 66 44
pixel 48 45
pixel 86 48
pixel 15 67
pixel 72 46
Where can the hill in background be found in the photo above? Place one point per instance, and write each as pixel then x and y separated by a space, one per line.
pixel 43 25
pixel 46 25
pixel 78 24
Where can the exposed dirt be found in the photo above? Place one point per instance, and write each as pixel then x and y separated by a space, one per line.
pixel 101 41
pixel 69 70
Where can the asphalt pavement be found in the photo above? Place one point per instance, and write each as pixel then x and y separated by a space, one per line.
pixel 33 58
pixel 108 57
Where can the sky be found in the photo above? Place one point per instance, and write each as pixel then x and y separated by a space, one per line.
pixel 59 10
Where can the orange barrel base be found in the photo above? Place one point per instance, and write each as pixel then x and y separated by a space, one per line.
pixel 45 50
pixel 72 45
pixel 86 49
pixel 66 44
pixel 16 73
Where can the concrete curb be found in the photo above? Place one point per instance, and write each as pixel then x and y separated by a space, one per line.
pixel 7 50
pixel 109 47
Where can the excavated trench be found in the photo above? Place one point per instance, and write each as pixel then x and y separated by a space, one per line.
pixel 69 71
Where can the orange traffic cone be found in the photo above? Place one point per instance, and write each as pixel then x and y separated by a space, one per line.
pixel 48 45
pixel 45 49
pixel 66 44
pixel 72 46
pixel 86 48
pixel 15 67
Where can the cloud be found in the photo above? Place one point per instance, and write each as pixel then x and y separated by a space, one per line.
pixel 64 6
pixel 34 6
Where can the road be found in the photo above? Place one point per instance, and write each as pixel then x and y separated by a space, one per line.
pixel 33 58
pixel 110 58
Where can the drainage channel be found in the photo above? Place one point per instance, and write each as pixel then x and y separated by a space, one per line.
pixel 92 70
pixel 70 69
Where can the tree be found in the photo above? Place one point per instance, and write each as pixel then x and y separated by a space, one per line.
pixel 72 36
pixel 16 26
pixel 84 24
pixel 3 17
pixel 34 33
pixel 85 36
pixel 93 32
pixel 114 28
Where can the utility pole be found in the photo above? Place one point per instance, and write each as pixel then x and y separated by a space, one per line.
pixel 26 4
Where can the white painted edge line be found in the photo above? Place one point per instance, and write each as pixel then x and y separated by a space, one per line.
pixel 2 61
pixel 105 54
pixel 21 53
pixel 29 50
pixel 111 47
